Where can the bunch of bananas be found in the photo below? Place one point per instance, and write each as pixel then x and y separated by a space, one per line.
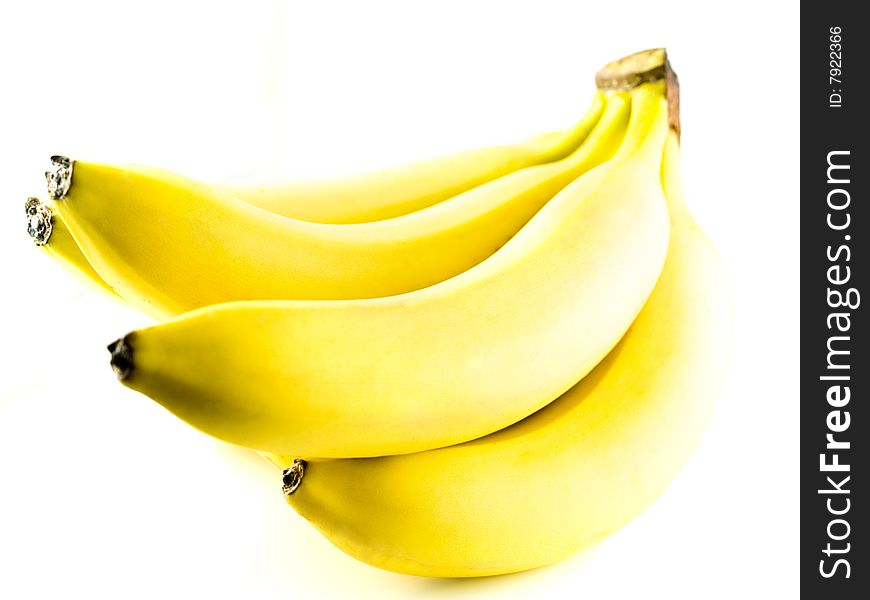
pixel 467 366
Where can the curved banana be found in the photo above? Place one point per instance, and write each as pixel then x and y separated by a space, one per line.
pixel 364 197
pixel 160 239
pixel 399 190
pixel 358 197
pixel 439 366
pixel 585 465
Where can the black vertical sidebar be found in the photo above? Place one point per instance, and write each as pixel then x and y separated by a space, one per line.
pixel 835 269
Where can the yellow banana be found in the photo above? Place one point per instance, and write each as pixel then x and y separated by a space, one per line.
pixel 438 366
pixel 356 198
pixel 585 465
pixel 158 238
pixel 399 190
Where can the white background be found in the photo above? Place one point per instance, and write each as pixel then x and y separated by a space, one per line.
pixel 105 495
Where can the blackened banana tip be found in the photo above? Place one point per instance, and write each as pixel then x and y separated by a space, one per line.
pixel 122 357
pixel 58 177
pixel 39 221
pixel 292 476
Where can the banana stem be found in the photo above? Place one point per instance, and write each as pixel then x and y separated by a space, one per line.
pixel 644 67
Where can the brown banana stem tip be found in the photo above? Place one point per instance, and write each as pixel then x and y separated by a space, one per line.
pixel 292 476
pixel 644 67
pixel 122 357
pixel 39 221
pixel 58 177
